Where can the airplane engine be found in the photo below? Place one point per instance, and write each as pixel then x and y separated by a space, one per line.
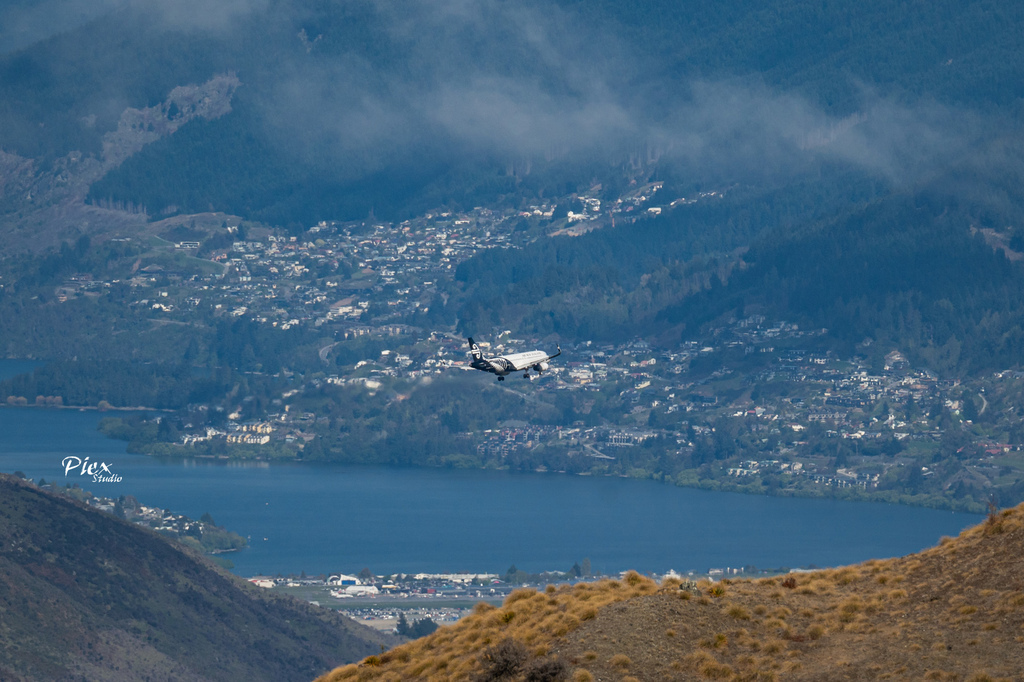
pixel 541 367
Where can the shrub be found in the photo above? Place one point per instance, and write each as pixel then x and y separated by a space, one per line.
pixel 503 661
pixel 582 676
pixel 620 661
pixel 738 612
pixel 845 576
pixel 789 583
pixel 633 578
pixel 372 661
pixel 851 606
pixel 523 593
pixel 717 591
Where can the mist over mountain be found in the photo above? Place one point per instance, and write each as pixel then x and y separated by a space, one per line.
pixel 358 106
pixel 807 115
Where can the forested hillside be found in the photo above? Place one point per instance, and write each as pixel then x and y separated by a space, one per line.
pixel 842 154
pixel 924 272
pixel 347 108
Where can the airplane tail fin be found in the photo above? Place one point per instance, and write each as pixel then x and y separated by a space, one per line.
pixel 475 349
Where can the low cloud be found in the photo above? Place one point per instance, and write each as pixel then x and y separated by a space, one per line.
pixel 755 129
pixel 202 15
pixel 522 80
pixel 514 81
pixel 23 25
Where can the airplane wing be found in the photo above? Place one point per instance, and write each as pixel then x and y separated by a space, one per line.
pixel 521 361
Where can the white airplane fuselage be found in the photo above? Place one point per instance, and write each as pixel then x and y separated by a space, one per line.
pixel 503 365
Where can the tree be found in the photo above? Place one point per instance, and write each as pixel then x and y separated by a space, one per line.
pixel 207 519
pixel 970 409
pixel 911 411
pixel 403 626
pixel 419 628
pixel 423 627
pixel 585 567
pixel 366 575
pixel 166 432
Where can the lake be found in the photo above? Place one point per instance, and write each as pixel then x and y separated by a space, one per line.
pixel 328 518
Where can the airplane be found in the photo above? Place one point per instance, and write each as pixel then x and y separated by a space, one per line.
pixel 503 365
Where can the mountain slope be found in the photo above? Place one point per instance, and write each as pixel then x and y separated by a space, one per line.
pixel 436 101
pixel 931 271
pixel 84 595
pixel 952 612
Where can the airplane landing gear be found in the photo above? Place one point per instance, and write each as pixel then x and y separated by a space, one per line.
pixel 526 376
pixel 501 378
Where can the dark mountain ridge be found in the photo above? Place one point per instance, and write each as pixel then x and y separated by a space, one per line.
pixel 85 595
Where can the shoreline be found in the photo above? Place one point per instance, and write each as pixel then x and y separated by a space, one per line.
pixel 714 485
pixel 718 485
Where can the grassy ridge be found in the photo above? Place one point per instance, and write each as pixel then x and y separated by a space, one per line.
pixel 952 612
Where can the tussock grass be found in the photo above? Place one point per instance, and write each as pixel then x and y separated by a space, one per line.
pixel 738 612
pixel 955 611
pixel 621 661
pixel 536 619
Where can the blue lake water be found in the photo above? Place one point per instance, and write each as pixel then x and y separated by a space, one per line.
pixel 324 518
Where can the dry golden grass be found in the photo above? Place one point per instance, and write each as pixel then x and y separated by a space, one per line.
pixel 953 612
pixel 535 618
